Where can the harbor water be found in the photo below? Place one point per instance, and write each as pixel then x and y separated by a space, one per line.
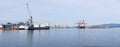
pixel 61 38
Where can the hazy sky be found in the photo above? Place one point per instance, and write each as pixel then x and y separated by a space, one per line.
pixel 61 12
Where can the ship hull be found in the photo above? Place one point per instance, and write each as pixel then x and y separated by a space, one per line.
pixel 81 27
pixel 41 28
pixel 36 28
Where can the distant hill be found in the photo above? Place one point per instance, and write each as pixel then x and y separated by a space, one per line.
pixel 110 25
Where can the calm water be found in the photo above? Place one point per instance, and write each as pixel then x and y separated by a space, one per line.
pixel 61 38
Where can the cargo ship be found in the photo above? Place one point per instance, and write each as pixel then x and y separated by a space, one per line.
pixel 30 26
pixel 25 26
pixel 81 25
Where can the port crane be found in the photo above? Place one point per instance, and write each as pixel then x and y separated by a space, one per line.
pixel 29 23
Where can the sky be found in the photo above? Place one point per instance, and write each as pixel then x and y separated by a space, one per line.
pixel 61 12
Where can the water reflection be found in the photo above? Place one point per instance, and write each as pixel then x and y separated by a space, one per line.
pixel 30 37
pixel 42 38
pixel 82 37
pixel 60 38
pixel 37 38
